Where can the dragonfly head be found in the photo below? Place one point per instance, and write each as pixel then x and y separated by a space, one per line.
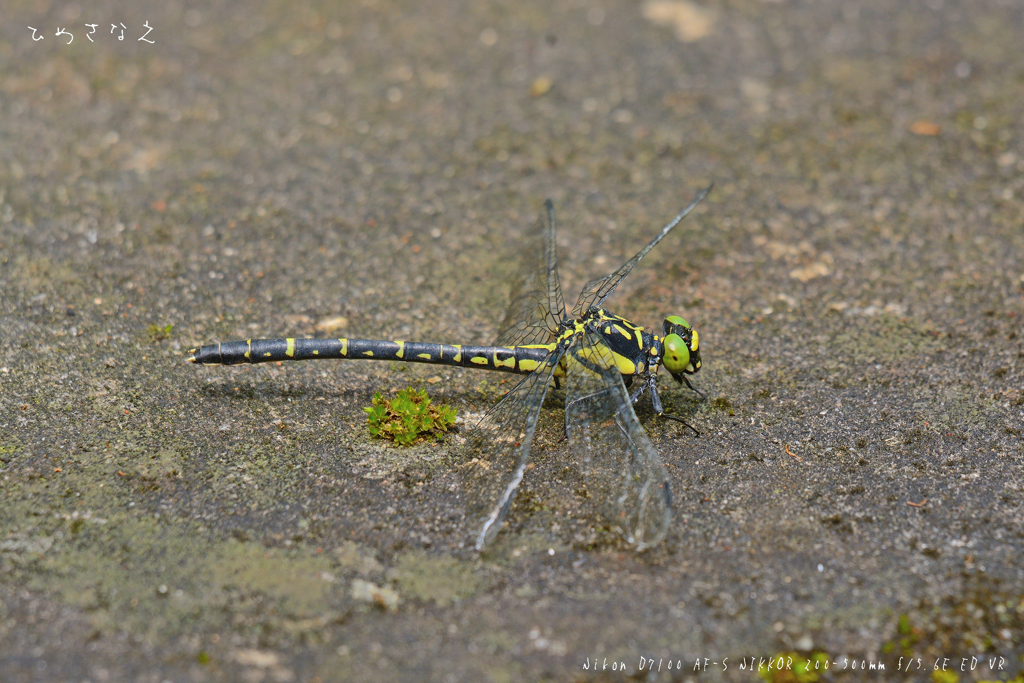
pixel 680 351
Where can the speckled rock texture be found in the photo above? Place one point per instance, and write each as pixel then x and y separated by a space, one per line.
pixel 369 169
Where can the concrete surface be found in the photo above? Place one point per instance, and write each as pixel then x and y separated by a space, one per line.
pixel 857 278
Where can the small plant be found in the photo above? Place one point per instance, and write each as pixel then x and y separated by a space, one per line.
pixel 156 333
pixel 908 636
pixel 408 417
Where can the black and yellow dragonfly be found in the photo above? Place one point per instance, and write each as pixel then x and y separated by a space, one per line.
pixel 597 355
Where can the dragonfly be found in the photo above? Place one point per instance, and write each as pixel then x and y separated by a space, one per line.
pixel 599 356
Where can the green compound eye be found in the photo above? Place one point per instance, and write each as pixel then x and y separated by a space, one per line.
pixel 676 354
pixel 675 320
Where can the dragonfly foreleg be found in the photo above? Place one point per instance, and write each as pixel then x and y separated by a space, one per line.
pixel 694 389
pixel 659 409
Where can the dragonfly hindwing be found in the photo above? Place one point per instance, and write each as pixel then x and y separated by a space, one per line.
pixel 497 450
pixel 620 464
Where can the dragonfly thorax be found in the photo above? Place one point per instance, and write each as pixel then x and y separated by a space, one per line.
pixel 635 350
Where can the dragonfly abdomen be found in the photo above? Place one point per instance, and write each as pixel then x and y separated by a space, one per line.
pixel 517 359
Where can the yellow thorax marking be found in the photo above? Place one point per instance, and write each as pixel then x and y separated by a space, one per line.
pixel 695 340
pixel 560 369
pixel 625 365
pixel 621 331
pixel 600 358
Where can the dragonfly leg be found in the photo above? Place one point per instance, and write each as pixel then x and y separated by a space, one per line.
pixel 639 392
pixel 659 409
pixel 693 389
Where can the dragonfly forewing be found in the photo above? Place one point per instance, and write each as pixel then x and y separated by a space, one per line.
pixel 599 289
pixel 536 306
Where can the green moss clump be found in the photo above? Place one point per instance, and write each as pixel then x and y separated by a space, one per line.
pixel 408 418
pixel 156 333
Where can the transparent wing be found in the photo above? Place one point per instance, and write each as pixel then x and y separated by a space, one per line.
pixel 598 290
pixel 537 306
pixel 497 450
pixel 621 466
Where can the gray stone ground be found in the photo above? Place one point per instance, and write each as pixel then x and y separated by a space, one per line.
pixel 857 278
